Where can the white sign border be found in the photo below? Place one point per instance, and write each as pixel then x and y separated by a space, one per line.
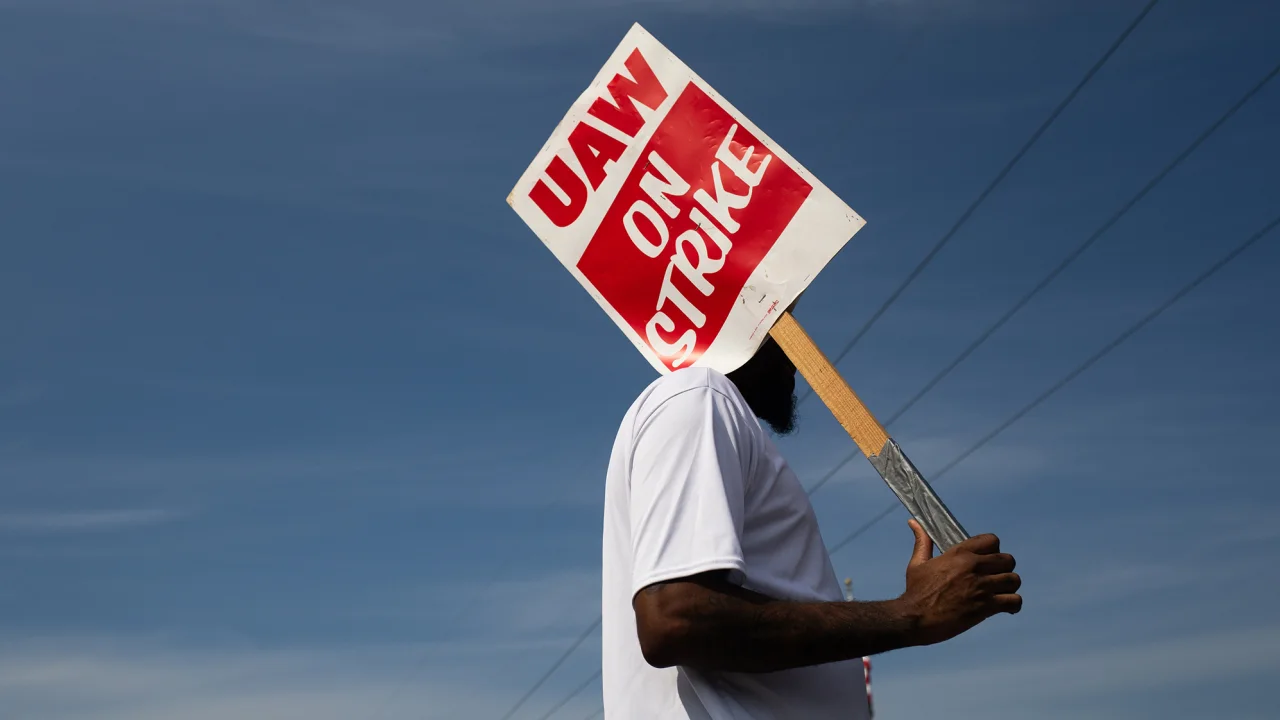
pixel 764 296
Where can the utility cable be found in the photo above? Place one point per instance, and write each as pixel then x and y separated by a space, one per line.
pixel 1117 342
pixel 578 691
pixel 1035 137
pixel 1004 172
pixel 466 609
pixel 1066 261
pixel 555 666
pixel 874 88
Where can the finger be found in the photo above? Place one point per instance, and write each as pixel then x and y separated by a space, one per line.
pixel 995 564
pixel 985 544
pixel 923 549
pixel 1003 584
pixel 1009 603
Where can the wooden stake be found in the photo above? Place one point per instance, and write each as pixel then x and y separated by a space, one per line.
pixel 822 376
pixel 867 433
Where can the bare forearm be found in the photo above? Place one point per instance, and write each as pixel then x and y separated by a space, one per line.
pixel 726 628
pixel 737 637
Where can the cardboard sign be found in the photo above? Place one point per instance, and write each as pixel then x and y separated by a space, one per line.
pixel 688 225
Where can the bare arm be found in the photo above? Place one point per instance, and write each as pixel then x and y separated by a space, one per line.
pixel 706 622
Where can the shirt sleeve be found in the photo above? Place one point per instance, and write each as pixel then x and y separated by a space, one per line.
pixel 689 470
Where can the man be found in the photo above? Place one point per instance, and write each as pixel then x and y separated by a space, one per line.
pixel 720 601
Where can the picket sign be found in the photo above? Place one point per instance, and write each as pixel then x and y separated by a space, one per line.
pixel 694 231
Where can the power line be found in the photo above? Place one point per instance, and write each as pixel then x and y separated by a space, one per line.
pixel 1070 258
pixel 1061 383
pixel 555 666
pixel 585 684
pixel 1053 116
pixel 467 608
pixel 1066 261
pixel 595 714
pixel 1017 157
pixel 1117 342
pixel 907 46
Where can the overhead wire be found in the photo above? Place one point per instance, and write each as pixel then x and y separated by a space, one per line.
pixel 1066 379
pixel 1035 137
pixel 1050 392
pixel 467 608
pixel 554 666
pixel 874 87
pixel 1070 258
pixel 986 192
pixel 575 693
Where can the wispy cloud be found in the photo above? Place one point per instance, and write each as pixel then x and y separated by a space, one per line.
pixel 1111 580
pixel 558 601
pixel 400 469
pixel 393 26
pixel 19 395
pixel 122 679
pixel 506 606
pixel 127 678
pixel 85 521
pixel 1054 684
pixel 114 679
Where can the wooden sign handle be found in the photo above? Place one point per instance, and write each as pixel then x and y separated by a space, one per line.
pixel 868 434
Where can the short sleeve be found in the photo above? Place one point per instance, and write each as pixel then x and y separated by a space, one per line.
pixel 689 470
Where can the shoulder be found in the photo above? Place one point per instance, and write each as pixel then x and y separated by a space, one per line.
pixel 690 394
pixel 693 414
pixel 695 380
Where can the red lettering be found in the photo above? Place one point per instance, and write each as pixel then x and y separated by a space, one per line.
pixel 594 151
pixel 622 113
pixel 552 205
pixel 675 283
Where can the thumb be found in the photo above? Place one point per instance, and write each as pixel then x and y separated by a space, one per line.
pixel 923 550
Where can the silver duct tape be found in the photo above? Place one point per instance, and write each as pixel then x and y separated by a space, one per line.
pixel 919 498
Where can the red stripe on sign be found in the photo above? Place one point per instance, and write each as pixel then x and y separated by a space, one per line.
pixel 704 204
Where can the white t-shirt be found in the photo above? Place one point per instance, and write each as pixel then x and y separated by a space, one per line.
pixel 696 484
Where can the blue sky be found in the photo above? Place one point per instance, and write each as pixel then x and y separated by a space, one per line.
pixel 297 419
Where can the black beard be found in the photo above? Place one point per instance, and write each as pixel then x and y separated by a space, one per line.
pixel 775 410
pixel 784 418
pixel 768 383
